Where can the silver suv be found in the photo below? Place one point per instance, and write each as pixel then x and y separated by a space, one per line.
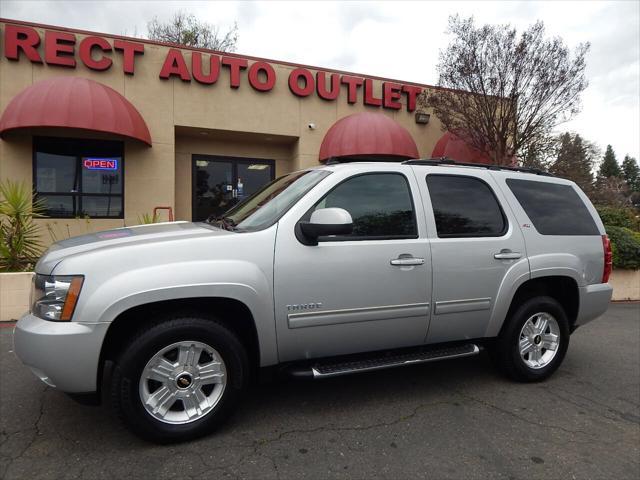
pixel 328 271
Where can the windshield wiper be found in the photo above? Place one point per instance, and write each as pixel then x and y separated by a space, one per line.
pixel 226 223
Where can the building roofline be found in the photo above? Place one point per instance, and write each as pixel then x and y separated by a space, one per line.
pixel 228 54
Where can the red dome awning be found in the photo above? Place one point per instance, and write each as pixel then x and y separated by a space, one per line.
pixel 455 148
pixel 368 134
pixel 74 102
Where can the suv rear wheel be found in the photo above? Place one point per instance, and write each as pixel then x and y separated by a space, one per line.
pixel 534 341
pixel 179 379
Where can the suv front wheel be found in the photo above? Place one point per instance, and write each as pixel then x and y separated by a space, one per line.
pixel 179 379
pixel 534 341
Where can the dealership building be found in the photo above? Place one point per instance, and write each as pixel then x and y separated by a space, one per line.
pixel 108 128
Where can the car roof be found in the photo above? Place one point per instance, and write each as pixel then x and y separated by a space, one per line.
pixel 448 166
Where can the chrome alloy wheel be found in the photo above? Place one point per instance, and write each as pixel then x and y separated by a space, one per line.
pixel 539 340
pixel 183 382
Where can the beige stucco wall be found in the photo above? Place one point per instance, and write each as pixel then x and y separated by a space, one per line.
pixel 14 294
pixel 239 122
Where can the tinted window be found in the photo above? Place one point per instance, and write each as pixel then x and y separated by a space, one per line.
pixel 464 207
pixel 380 205
pixel 78 178
pixel 554 209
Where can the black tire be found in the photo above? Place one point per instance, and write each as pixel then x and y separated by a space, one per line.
pixel 125 396
pixel 505 351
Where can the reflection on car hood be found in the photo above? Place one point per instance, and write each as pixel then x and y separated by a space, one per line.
pixel 153 233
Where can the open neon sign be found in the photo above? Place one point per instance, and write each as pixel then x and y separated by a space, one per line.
pixel 100 163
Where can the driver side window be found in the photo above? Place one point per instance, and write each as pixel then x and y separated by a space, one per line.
pixel 380 205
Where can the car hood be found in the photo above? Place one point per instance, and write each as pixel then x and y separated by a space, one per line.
pixel 154 233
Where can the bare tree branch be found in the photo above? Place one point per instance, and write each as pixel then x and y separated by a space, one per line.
pixel 504 93
pixel 185 29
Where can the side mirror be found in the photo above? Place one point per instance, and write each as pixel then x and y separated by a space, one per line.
pixel 324 222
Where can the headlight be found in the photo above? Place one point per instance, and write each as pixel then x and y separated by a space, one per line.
pixel 54 297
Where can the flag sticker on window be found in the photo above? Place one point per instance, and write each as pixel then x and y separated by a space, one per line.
pixel 93 163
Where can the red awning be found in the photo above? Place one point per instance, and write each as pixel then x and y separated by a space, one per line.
pixel 455 148
pixel 367 134
pixel 74 102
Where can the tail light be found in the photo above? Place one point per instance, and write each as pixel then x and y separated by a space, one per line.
pixel 608 258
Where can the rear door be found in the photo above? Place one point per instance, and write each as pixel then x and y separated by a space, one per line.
pixel 476 246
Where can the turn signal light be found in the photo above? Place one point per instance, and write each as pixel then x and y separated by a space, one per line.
pixel 72 298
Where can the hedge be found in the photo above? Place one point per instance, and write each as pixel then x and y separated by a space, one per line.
pixel 625 244
pixel 620 217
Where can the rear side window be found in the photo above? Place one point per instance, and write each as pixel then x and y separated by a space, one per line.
pixel 553 209
pixel 379 203
pixel 465 207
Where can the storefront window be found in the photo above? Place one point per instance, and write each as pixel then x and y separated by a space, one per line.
pixel 79 178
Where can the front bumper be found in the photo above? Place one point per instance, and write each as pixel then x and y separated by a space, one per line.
pixel 594 301
pixel 64 355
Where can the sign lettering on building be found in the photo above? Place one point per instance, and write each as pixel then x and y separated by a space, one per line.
pixel 63 49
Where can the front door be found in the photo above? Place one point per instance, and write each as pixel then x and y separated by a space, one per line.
pixel 219 183
pixel 362 292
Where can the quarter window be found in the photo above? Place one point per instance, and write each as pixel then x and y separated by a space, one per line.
pixel 554 209
pixel 79 178
pixel 380 205
pixel 465 207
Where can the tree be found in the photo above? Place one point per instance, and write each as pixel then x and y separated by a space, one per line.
pixel 185 29
pixel 540 155
pixel 631 173
pixel 609 166
pixel 575 159
pixel 611 191
pixel 502 93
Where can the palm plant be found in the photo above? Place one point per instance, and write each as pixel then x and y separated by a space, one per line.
pixel 147 218
pixel 20 244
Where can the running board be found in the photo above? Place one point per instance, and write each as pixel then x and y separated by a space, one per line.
pixel 334 369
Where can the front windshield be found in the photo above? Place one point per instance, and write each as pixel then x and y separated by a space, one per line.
pixel 266 206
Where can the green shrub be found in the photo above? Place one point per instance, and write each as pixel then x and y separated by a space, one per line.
pixel 20 244
pixel 619 217
pixel 625 244
pixel 147 218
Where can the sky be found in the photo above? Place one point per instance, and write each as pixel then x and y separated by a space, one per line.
pixel 399 40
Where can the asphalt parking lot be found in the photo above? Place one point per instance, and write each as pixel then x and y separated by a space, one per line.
pixel 455 419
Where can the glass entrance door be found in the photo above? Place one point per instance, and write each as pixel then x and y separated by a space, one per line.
pixel 219 183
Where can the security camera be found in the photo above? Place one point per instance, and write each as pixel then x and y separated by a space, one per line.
pixel 311 126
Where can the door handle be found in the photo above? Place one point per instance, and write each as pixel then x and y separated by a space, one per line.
pixel 506 254
pixel 407 261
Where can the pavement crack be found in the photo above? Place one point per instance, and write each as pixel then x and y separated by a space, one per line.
pixel 619 415
pixel 36 432
pixel 327 428
pixel 526 420
pixel 258 445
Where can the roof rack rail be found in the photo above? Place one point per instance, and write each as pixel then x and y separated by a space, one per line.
pixel 332 161
pixel 449 161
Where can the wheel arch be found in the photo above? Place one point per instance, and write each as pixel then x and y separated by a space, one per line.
pixel 564 289
pixel 231 312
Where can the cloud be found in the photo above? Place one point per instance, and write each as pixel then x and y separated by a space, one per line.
pixel 398 40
